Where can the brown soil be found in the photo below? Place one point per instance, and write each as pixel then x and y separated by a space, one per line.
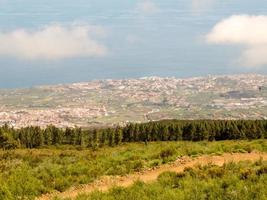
pixel 149 175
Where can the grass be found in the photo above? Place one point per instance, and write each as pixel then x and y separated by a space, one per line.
pixel 242 181
pixel 27 173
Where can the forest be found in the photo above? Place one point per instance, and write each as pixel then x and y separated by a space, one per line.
pixel 166 130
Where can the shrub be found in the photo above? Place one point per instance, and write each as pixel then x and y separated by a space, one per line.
pixel 22 183
pixel 155 163
pixel 137 165
pixel 262 170
pixel 166 153
pixel 5 193
pixel 168 179
pixel 245 174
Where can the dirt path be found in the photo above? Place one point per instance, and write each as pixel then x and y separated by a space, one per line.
pixel 179 165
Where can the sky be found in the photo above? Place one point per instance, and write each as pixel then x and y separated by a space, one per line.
pixel 65 41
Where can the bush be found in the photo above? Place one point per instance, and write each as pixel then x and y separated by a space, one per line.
pixel 216 172
pixel 168 179
pixel 5 193
pixel 137 165
pixel 22 183
pixel 166 153
pixel 262 170
pixel 7 142
pixel 248 148
pixel 245 174
pixel 155 163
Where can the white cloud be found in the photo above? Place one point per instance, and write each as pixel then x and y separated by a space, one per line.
pixel 248 31
pixel 53 42
pixel 147 7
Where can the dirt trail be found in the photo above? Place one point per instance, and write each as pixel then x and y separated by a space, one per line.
pixel 179 165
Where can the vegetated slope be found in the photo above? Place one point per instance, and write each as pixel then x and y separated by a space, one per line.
pixel 239 181
pixel 57 168
pixel 179 165
pixel 106 102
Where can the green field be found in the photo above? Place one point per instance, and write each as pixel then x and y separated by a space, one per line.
pixel 27 173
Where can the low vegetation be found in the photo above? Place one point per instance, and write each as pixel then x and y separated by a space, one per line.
pixel 27 173
pixel 242 181
pixel 35 161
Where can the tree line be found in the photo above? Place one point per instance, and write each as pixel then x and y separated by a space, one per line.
pixel 166 130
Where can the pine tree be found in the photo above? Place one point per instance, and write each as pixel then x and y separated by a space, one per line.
pixel 117 136
pixel 111 137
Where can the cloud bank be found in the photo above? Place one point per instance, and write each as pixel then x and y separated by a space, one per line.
pixel 53 42
pixel 147 7
pixel 246 30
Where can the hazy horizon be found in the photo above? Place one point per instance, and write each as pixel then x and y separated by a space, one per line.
pixel 130 78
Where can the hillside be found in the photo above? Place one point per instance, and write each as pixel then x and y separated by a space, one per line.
pixel 151 175
pixel 105 102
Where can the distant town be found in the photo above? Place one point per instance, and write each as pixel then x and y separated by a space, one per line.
pixel 111 102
